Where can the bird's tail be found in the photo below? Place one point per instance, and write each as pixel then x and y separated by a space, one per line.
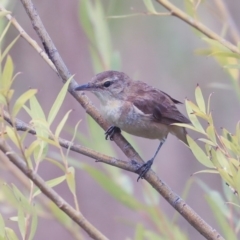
pixel 180 133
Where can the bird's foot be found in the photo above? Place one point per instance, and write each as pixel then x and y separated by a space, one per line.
pixel 144 169
pixel 111 131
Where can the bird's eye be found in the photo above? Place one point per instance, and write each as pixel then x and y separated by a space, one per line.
pixel 107 84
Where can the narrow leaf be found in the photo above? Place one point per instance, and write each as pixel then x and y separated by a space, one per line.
pixel 2 227
pixel 22 100
pixel 12 135
pixel 61 124
pixel 8 48
pixel 7 75
pixel 34 224
pixel 199 153
pixel 51 183
pixel 21 222
pixel 193 118
pixel 149 6
pixel 58 102
pixel 70 177
pixel 200 100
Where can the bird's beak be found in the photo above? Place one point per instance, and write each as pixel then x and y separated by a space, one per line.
pixel 84 87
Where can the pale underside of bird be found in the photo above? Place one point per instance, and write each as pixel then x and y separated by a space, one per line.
pixel 136 108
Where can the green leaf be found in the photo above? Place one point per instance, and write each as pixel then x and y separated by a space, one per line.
pixel 5 31
pixel 112 188
pixel 21 222
pixel 58 102
pixel 193 118
pixel 149 6
pixel 199 153
pixel 139 233
pixel 207 141
pixel 220 218
pixel 40 151
pixel 22 199
pixel 38 118
pixel 200 100
pixel 22 100
pixel 2 227
pixel 223 161
pixel 7 75
pixel 61 124
pixel 225 176
pixel 187 126
pixel 211 133
pixel 206 171
pixel 34 224
pixel 209 101
pixel 56 163
pixel 225 54
pixel 12 135
pixel 28 151
pixel 10 234
pixel 51 183
pixel 236 180
pixel 70 177
pixel 230 146
pixel 50 141
pixel 8 48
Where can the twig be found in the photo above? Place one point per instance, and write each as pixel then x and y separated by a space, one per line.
pixel 196 221
pixel 24 35
pixel 50 193
pixel 197 25
pixel 227 17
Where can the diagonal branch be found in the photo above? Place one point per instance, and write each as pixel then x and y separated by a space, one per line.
pixel 196 221
pixel 197 25
pixel 193 218
pixel 50 193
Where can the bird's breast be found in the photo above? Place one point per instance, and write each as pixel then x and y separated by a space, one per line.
pixel 112 111
pixel 130 119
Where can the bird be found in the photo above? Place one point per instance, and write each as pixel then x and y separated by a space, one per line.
pixel 136 108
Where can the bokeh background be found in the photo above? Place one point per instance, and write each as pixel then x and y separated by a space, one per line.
pixel 160 50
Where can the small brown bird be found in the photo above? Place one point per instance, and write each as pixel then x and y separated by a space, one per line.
pixel 136 108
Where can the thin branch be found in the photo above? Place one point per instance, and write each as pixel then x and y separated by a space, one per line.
pixel 196 221
pixel 50 193
pixel 227 18
pixel 197 25
pixel 24 35
pixel 41 198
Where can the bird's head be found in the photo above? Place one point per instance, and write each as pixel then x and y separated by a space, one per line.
pixel 107 85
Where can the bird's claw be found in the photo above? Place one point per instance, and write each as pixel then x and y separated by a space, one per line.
pixel 111 131
pixel 144 169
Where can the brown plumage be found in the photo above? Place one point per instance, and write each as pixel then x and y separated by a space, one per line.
pixel 137 108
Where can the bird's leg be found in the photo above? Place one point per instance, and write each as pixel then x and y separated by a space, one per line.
pixel 146 166
pixel 111 131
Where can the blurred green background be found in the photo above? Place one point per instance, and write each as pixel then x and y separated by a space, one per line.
pixel 159 50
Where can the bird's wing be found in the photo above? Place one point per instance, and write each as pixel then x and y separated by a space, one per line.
pixel 156 103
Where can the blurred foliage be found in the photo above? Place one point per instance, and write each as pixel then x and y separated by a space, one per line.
pixel 26 211
pixel 220 155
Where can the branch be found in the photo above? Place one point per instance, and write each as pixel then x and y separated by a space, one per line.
pixel 197 25
pixel 50 193
pixel 24 35
pixel 196 221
